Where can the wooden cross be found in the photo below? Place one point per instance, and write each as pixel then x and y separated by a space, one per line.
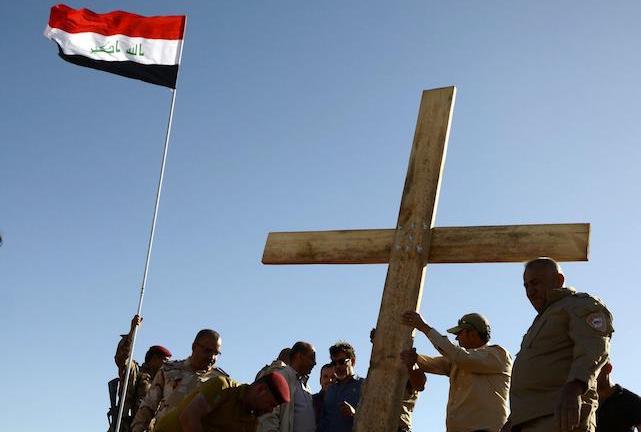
pixel 408 249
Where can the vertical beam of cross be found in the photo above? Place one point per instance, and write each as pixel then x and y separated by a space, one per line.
pixel 378 409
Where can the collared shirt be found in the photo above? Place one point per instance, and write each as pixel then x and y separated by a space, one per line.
pixel 304 417
pixel 332 420
pixel 479 383
pixel 569 340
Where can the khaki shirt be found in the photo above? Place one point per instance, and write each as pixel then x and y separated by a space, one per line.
pixel 479 383
pixel 172 383
pixel 568 341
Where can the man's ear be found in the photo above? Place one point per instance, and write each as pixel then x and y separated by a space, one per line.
pixel 353 361
pixel 561 280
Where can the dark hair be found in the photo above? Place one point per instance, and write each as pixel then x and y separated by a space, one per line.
pixel 206 333
pixel 344 347
pixel 485 336
pixel 284 355
pixel 326 366
pixel 299 347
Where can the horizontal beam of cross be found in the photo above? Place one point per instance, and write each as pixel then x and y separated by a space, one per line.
pixel 481 244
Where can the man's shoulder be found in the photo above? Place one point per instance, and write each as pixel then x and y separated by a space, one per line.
pixel 581 301
pixel 219 372
pixel 590 309
pixel 357 380
pixel 499 350
pixel 630 395
pixel 175 368
pixel 175 364
pixel 222 381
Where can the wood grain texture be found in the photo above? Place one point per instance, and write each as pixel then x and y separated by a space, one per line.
pixel 386 378
pixel 481 244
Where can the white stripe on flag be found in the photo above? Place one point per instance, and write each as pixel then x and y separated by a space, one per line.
pixel 117 47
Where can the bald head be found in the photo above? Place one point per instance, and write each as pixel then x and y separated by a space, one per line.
pixel 541 276
pixel 206 333
pixel 302 357
pixel 544 262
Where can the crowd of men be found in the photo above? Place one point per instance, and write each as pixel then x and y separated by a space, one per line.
pixel 559 381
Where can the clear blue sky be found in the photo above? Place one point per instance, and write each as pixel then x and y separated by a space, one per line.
pixel 297 116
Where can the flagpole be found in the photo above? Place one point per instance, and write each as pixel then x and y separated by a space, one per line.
pixel 123 393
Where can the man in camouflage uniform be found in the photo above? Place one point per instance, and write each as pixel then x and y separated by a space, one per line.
pixel 177 379
pixel 140 377
pixel 554 375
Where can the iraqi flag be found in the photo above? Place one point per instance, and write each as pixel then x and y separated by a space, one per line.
pixel 134 46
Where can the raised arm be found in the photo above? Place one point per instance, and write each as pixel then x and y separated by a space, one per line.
pixel 493 359
pixel 434 365
pixel 490 360
pixel 124 346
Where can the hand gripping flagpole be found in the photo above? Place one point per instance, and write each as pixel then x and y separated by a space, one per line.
pixel 123 393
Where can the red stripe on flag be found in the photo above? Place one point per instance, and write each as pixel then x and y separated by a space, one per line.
pixel 118 22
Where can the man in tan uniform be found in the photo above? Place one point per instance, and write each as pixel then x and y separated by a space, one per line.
pixel 177 379
pixel 479 373
pixel 554 376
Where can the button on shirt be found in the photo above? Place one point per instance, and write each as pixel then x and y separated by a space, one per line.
pixel 332 420
pixel 304 417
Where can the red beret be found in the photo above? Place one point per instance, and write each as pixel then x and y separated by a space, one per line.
pixel 159 349
pixel 278 387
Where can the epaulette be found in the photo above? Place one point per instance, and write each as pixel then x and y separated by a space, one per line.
pixel 585 296
pixel 222 372
pixel 174 364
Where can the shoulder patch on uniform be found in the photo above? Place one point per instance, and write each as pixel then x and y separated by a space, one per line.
pixel 598 321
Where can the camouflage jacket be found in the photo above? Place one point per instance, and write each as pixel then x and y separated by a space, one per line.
pixel 121 357
pixel 172 383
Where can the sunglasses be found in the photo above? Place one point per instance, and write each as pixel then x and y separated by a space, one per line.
pixel 340 362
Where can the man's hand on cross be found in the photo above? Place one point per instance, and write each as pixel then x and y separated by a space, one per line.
pixel 415 320
pixel 409 357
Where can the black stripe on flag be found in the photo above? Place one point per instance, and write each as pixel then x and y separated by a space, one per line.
pixel 164 75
